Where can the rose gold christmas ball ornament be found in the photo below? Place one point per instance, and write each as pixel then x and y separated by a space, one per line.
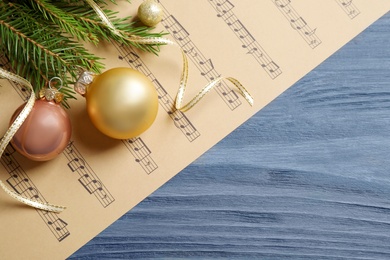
pixel 122 103
pixel 45 133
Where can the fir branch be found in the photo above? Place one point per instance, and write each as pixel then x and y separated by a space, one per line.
pixel 51 13
pixel 88 17
pixel 39 39
pixel 32 49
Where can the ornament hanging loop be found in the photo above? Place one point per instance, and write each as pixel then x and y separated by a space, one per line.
pixel 56 78
pixel 53 93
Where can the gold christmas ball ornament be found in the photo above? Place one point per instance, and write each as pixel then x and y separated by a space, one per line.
pixel 45 133
pixel 150 13
pixel 122 103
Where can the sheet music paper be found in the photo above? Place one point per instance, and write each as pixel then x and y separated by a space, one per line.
pixel 267 45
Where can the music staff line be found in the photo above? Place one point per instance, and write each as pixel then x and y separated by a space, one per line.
pixel 224 9
pixel 22 184
pixel 19 180
pixel 89 181
pixel 141 153
pixel 22 91
pixel 105 201
pixel 349 8
pixel 297 22
pixel 180 120
pixel 204 65
pixel 136 146
pixel 87 177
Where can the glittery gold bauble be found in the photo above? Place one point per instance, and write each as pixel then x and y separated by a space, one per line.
pixel 45 133
pixel 122 103
pixel 150 12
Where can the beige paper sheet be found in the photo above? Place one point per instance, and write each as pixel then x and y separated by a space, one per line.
pixel 268 45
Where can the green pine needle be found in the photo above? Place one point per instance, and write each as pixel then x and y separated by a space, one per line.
pixel 43 38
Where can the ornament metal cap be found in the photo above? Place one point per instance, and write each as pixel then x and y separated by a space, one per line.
pixel 83 81
pixel 52 94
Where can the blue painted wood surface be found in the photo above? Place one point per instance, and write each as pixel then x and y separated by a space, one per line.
pixel 308 177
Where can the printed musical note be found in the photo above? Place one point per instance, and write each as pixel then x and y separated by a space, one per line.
pixel 165 100
pixel 56 225
pixel 228 94
pixel 20 182
pixel 19 185
pixel 170 22
pixel 124 57
pixel 141 149
pixel 313 43
pixel 346 3
pixel 23 186
pixel 246 38
pixel 206 67
pixel 231 20
pixel 271 66
pixel 252 50
pixel 183 123
pixel 21 90
pixel 76 164
pixel 141 153
pixel 349 8
pixel 68 148
pixel 134 58
pixel 297 22
pixel 102 194
pixel 242 33
pixel 282 3
pixel 191 52
pixel 223 7
pixel 237 26
pixel 10 165
pixel 248 41
pixel 88 178
pixel 160 90
pixel 310 33
pixel 90 184
pixel 231 96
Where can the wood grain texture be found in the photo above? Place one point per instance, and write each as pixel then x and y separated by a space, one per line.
pixel 308 177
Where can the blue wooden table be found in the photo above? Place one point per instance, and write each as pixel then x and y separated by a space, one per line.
pixel 308 177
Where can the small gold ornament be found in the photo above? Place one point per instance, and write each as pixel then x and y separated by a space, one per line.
pixel 122 103
pixel 150 13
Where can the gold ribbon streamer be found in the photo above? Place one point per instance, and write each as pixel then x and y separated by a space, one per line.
pixel 11 132
pixel 184 74
pixel 140 40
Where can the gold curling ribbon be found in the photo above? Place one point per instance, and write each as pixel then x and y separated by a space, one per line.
pixel 136 39
pixel 11 132
pixel 184 74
